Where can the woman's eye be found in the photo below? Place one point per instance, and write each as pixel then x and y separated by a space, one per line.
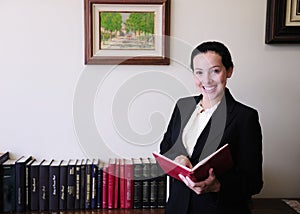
pixel 216 70
pixel 198 72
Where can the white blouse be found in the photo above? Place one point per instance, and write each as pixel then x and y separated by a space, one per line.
pixel 195 126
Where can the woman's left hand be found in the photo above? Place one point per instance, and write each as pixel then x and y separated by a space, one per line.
pixel 211 184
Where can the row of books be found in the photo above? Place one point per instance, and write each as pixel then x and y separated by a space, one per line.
pixel 41 185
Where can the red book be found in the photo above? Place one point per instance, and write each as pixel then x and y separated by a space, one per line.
pixel 122 184
pixel 111 183
pixel 220 161
pixel 128 167
pixel 117 176
pixel 104 185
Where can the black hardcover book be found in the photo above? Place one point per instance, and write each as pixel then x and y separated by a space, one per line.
pixel 3 157
pixel 78 182
pixel 27 184
pixel 44 185
pixel 146 183
pixel 153 183
pixel 34 185
pixel 82 184
pixel 88 183
pixel 94 178
pixel 63 173
pixel 54 185
pixel 20 190
pixel 162 188
pixel 71 181
pixel 99 184
pixel 8 175
pixel 137 183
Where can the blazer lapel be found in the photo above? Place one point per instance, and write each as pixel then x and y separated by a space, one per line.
pixel 211 137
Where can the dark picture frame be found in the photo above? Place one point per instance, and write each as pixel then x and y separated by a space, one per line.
pixel 95 51
pixel 277 31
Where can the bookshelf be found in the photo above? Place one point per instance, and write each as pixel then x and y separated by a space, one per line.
pixel 260 206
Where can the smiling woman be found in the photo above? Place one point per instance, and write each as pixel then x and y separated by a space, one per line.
pixel 193 135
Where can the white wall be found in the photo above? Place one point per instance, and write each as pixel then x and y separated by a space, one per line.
pixel 54 106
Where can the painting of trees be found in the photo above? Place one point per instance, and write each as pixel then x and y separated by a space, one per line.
pixel 127 30
pixel 110 22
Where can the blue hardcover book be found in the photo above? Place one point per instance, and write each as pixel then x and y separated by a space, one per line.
pixel 34 184
pixel 63 175
pixel 44 185
pixel 20 190
pixel 27 184
pixel 78 182
pixel 8 175
pixel 94 178
pixel 54 185
pixel 71 182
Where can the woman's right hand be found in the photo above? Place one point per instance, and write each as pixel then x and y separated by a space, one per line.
pixel 183 160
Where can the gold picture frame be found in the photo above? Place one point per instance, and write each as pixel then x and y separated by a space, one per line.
pixel 131 32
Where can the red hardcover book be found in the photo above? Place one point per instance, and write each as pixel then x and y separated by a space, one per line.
pixel 220 161
pixel 104 185
pixel 117 180
pixel 128 167
pixel 122 184
pixel 111 183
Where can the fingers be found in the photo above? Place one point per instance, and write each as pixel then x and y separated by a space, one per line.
pixel 198 188
pixel 211 184
pixel 183 160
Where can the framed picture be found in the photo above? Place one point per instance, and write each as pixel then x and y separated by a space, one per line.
pixel 283 21
pixel 131 32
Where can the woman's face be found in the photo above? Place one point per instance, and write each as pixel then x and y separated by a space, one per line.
pixel 210 76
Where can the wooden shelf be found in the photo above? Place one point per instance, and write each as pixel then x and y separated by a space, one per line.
pixel 260 206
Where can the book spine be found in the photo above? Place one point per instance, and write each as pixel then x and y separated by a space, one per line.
pixel 129 186
pixel 28 188
pixel 122 185
pixel 44 188
pixel 153 186
pixel 94 178
pixel 8 188
pixel 146 186
pixel 88 186
pixel 162 191
pixel 82 185
pixel 137 186
pixel 54 188
pixel 21 187
pixel 78 187
pixel 111 185
pixel 99 187
pixel 34 187
pixel 104 187
pixel 71 185
pixel 4 157
pixel 117 184
pixel 63 173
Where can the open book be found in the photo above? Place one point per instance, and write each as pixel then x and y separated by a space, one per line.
pixel 220 161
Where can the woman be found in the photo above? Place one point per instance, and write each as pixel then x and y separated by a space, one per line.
pixel 199 125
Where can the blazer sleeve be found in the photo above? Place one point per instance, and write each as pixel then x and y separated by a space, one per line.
pixel 167 143
pixel 171 145
pixel 245 179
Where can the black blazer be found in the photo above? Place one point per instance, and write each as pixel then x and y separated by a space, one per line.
pixel 232 123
